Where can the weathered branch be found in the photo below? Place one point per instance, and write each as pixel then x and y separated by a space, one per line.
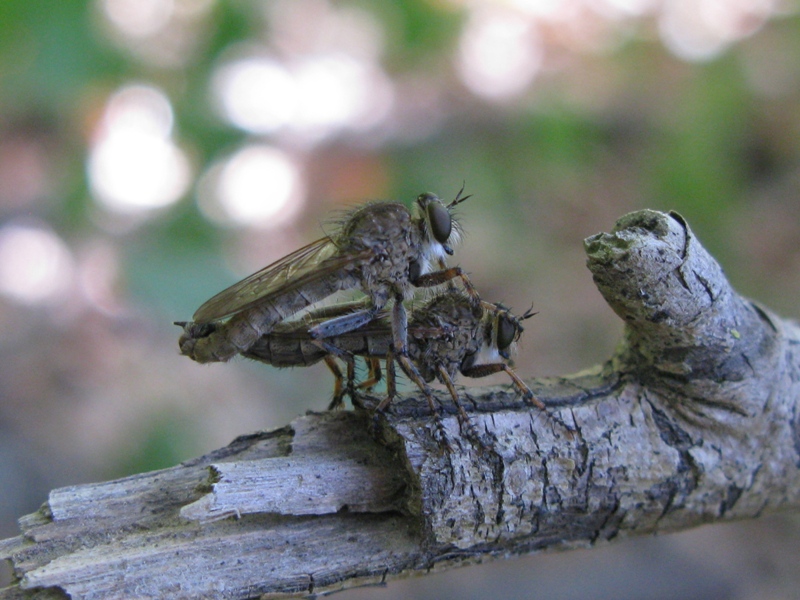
pixel 693 420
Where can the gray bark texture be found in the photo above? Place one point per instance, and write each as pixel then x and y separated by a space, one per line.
pixel 693 420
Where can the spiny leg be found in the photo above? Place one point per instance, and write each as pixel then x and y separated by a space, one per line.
pixel 338 390
pixel 343 323
pixel 391 392
pixel 373 378
pixel 444 376
pixel 451 284
pixel 391 377
pixel 374 374
pixel 399 327
pixel 399 352
pixel 413 374
pixel 351 380
pixel 485 370
pixel 445 275
pixel 391 383
pixel 339 309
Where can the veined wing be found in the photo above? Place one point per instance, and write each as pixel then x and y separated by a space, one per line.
pixel 294 270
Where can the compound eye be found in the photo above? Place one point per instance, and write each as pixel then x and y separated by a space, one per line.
pixel 506 332
pixel 440 222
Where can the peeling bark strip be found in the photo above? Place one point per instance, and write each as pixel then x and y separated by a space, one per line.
pixel 693 420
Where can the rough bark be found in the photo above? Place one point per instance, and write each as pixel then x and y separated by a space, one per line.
pixel 693 420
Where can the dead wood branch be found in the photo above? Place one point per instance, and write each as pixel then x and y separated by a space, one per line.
pixel 693 420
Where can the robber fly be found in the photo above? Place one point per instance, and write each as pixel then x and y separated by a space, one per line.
pixel 446 336
pixel 381 248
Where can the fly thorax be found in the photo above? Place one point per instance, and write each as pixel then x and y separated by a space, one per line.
pixel 386 230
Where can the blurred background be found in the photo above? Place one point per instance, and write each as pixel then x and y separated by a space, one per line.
pixel 153 152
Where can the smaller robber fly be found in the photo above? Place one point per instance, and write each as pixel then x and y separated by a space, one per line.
pixel 446 336
pixel 381 248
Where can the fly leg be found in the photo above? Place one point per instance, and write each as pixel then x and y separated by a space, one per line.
pixel 391 392
pixel 445 378
pixel 351 383
pixel 399 352
pixel 400 349
pixel 338 389
pixel 337 310
pixel 344 323
pixel 374 374
pixel 413 374
pixel 486 370
pixel 445 275
pixel 391 384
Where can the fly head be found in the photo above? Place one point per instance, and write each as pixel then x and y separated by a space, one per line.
pixel 437 220
pixel 508 329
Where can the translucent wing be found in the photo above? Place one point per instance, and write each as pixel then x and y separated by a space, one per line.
pixel 310 262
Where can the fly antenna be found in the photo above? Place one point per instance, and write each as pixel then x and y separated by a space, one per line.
pixel 459 199
pixel 528 313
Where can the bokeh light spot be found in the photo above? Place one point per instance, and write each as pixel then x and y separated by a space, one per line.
pixel 138 18
pixel 308 99
pixel 257 93
pixel 698 30
pixel 499 54
pixel 133 164
pixel 338 91
pixel 35 264
pixel 257 186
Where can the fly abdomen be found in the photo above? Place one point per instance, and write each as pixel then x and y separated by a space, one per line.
pixel 378 345
pixel 311 353
pixel 285 350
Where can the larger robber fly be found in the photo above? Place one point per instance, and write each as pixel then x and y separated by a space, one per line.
pixel 381 248
pixel 446 336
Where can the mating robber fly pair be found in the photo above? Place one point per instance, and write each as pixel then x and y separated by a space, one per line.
pixel 386 251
